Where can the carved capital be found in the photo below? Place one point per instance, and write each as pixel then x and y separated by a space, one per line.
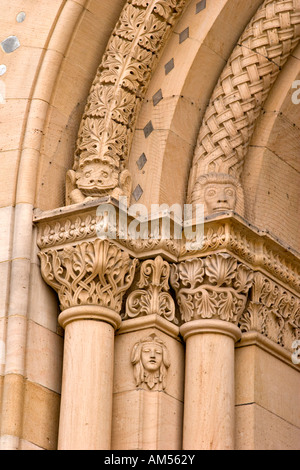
pixel 91 274
pixel 152 297
pixel 273 311
pixel 215 287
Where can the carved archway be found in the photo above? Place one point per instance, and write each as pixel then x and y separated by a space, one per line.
pixel 235 267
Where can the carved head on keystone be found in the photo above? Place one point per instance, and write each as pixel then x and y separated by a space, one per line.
pixel 96 178
pixel 218 192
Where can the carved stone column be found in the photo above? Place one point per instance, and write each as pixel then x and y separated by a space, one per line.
pixel 212 295
pixel 90 280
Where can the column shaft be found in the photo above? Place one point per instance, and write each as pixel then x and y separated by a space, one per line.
pixel 209 407
pixel 87 387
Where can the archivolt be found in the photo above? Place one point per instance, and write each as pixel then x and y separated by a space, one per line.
pixel 122 78
pixel 243 88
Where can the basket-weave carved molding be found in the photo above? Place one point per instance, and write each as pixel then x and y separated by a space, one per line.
pixel 242 89
pixel 92 273
pixel 215 287
pixel 111 111
pixel 152 295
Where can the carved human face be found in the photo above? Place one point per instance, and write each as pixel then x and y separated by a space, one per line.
pixel 98 177
pixel 219 197
pixel 151 356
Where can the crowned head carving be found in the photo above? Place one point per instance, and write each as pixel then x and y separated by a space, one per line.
pixel 218 192
pixel 150 359
pixel 95 178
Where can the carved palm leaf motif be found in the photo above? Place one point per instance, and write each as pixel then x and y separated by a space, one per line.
pixel 220 269
pixel 191 273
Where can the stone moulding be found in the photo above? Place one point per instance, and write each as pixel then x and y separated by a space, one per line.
pixel 240 274
pixel 227 232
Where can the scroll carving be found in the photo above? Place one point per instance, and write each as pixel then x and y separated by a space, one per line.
pixel 215 287
pixel 95 273
pixel 272 311
pixel 151 361
pixel 153 295
pixel 110 114
pixel 237 102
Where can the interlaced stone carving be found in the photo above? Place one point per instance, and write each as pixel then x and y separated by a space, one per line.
pixel 273 311
pixel 241 92
pixel 153 295
pixel 95 273
pixel 215 287
pixel 110 114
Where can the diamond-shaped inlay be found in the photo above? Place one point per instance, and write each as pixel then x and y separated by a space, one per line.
pixel 157 97
pixel 141 161
pixel 137 193
pixel 10 44
pixel 200 6
pixel 148 129
pixel 169 66
pixel 184 35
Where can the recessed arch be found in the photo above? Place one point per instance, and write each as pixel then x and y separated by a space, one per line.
pixel 271 176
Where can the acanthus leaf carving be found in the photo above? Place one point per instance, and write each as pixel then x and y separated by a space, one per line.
pixel 220 292
pixel 272 311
